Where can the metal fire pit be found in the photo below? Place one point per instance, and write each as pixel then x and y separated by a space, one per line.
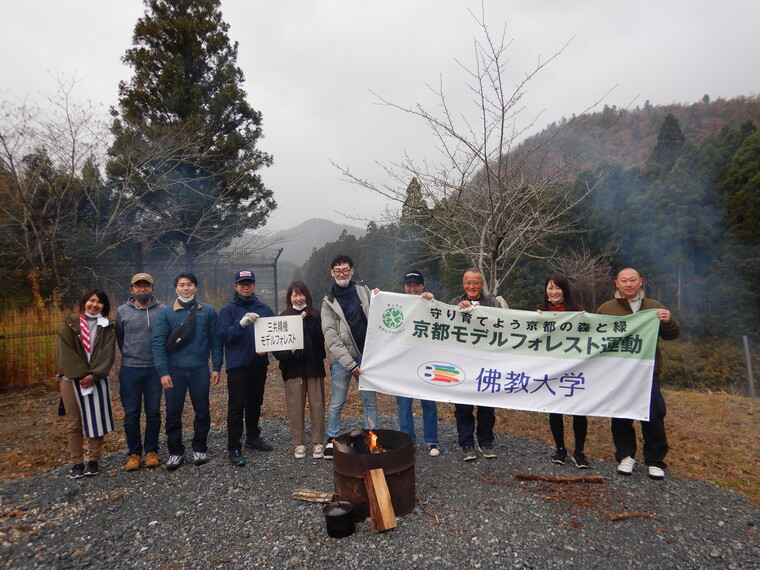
pixel 397 463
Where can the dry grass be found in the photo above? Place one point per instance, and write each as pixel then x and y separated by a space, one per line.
pixel 713 436
pixel 27 347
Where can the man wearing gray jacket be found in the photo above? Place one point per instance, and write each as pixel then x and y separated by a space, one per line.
pixel 138 379
pixel 345 309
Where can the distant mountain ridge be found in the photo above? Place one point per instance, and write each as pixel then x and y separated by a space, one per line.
pixel 627 137
pixel 297 243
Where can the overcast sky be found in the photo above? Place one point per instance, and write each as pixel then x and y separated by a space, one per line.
pixel 311 68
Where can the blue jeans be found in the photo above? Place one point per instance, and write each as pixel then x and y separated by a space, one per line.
pixel 429 419
pixel 341 379
pixel 197 381
pixel 138 386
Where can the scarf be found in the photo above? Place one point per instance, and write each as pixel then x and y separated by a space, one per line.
pixel 84 332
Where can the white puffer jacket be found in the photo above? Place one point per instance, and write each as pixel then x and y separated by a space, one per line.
pixel 341 346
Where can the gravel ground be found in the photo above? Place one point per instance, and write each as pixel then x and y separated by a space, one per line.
pixel 469 515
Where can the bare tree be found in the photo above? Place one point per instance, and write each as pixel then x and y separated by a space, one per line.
pixel 58 217
pixel 42 154
pixel 487 200
pixel 589 273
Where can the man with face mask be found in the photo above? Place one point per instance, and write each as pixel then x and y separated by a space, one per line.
pixel 184 338
pixel 345 309
pixel 138 378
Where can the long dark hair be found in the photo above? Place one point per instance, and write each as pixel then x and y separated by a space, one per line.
pixel 101 295
pixel 561 282
pixel 301 287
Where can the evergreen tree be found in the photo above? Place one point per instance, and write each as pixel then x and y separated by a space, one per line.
pixel 742 189
pixel 185 136
pixel 670 140
pixel 739 265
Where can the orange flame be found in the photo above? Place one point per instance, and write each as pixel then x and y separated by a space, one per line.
pixel 374 447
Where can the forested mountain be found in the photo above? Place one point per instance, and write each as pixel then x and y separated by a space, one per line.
pixel 676 194
pixel 298 243
pixel 626 137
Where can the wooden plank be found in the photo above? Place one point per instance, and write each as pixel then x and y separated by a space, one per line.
pixel 382 515
pixel 312 495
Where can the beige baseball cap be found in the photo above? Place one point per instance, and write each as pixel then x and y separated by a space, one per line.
pixel 141 277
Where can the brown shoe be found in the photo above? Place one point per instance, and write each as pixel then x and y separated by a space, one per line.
pixel 151 459
pixel 133 462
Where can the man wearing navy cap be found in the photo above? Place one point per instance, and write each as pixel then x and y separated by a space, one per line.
pixel 246 368
pixel 414 284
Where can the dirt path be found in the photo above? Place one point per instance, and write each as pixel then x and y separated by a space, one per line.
pixel 713 436
pixel 31 432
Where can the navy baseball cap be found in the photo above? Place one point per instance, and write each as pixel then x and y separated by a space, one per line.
pixel 244 274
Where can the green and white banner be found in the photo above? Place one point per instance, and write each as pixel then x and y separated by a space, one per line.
pixel 568 363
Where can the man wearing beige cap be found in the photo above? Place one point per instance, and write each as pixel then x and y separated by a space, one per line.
pixel 138 379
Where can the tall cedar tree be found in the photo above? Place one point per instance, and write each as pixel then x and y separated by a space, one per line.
pixel 670 141
pixel 185 137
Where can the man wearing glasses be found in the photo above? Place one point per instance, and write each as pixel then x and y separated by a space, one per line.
pixel 465 414
pixel 345 309
pixel 138 378
pixel 246 368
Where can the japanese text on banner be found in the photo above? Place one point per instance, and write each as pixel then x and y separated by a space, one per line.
pixel 570 362
pixel 278 333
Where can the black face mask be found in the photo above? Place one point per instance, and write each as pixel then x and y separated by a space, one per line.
pixel 245 298
pixel 143 298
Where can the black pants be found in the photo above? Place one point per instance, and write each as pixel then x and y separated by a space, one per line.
pixel 245 391
pixel 580 428
pixel 466 424
pixel 653 432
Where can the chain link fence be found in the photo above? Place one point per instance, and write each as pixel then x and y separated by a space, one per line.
pixel 27 335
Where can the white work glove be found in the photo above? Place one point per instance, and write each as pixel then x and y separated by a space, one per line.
pixel 248 319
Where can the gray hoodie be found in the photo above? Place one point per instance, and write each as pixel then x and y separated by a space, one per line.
pixel 134 326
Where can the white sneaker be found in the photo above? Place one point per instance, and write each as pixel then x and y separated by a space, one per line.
pixel 433 450
pixel 626 466
pixel 300 452
pixel 319 451
pixel 656 473
pixel 199 457
pixel 174 462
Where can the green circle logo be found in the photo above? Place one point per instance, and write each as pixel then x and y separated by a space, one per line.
pixel 393 318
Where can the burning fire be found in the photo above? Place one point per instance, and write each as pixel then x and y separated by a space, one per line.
pixel 374 447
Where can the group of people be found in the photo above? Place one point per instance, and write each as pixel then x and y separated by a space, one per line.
pixel 168 349
pixel 163 349
pixel 629 298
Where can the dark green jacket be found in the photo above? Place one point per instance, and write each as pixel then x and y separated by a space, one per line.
pixel 72 360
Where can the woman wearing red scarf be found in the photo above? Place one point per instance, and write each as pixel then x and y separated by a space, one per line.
pixel 86 350
pixel 559 298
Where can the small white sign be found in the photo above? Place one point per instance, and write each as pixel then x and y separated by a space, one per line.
pixel 278 333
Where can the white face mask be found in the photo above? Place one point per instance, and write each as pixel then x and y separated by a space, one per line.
pixel 86 314
pixel 343 282
pixel 185 299
pixel 299 307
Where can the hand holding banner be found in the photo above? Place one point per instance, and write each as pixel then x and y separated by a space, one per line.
pixel 568 363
